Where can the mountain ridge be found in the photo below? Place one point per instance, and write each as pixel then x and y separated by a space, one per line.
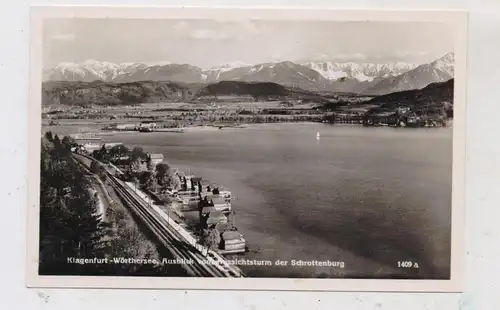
pixel 362 78
pixel 101 93
pixel 434 93
pixel 76 93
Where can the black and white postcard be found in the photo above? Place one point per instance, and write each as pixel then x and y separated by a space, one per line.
pixel 266 149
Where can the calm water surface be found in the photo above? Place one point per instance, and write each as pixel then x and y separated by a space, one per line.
pixel 367 196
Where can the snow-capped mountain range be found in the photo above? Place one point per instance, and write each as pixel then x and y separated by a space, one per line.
pixel 91 70
pixel 363 72
pixel 348 76
pixel 106 71
pixel 440 70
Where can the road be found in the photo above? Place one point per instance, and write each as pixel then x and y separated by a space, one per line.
pixel 104 200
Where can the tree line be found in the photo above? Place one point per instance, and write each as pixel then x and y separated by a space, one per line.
pixel 70 226
pixel 138 168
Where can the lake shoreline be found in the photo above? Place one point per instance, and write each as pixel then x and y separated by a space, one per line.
pixel 93 127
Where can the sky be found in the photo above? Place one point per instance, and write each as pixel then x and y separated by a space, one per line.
pixel 210 43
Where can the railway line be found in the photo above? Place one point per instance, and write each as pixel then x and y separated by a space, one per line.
pixel 211 265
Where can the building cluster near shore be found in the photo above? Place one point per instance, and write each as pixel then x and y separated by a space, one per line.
pixel 87 143
pixel 430 115
pixel 195 194
pixel 142 127
pixel 214 208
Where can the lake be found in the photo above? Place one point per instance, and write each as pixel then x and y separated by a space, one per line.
pixel 366 196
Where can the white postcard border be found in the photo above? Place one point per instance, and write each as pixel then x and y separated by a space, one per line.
pixel 457 18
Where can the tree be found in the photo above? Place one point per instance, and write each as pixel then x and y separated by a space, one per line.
pixel 119 150
pixel 68 142
pixel 174 182
pixel 95 167
pixel 146 178
pixel 135 165
pixel 96 154
pixel 98 169
pixel 89 232
pixel 162 172
pixel 152 184
pixel 100 154
pixel 70 225
pixel 149 163
pixel 137 153
pixel 57 142
pixel 210 238
pixel 48 136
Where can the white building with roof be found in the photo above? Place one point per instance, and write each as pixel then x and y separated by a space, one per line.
pixel 156 159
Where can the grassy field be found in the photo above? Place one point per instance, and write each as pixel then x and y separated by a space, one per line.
pixel 216 106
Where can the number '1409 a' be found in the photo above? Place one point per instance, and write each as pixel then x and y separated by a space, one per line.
pixel 407 264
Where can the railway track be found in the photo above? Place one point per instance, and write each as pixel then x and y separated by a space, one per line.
pixel 203 266
pixel 174 245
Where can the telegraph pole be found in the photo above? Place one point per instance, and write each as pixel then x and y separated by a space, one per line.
pixel 168 213
pixel 234 217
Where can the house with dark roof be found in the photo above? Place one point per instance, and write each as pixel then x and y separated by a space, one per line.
pixel 211 217
pixel 220 203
